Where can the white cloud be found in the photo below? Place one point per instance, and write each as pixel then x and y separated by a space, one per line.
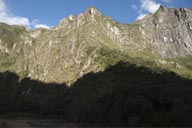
pixel 36 24
pixel 2 6
pixel 147 6
pixel 7 17
pixel 166 1
pixel 141 16
pixel 134 7
pixel 41 26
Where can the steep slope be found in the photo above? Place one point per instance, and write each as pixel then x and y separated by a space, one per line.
pixel 91 41
pixel 120 96
pixel 170 31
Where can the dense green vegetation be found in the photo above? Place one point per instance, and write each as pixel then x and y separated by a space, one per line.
pixel 184 62
pixel 122 95
pixel 124 79
pixel 182 66
pixel 11 35
pixel 6 60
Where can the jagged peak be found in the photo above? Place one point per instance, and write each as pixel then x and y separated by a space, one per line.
pixel 166 9
pixel 184 10
pixel 93 11
pixel 162 8
pixel 72 17
pixel 90 14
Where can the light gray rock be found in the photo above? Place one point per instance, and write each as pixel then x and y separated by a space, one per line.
pixel 70 50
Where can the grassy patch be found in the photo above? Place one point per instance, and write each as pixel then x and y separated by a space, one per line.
pixel 6 60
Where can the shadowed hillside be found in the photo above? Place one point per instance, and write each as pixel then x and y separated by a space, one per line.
pixel 79 44
pixel 30 97
pixel 122 95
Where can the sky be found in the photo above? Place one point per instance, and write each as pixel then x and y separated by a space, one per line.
pixel 48 13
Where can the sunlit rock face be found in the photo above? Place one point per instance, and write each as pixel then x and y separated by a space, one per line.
pixel 170 31
pixel 70 50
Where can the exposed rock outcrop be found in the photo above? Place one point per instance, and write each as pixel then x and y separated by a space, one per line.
pixel 72 49
pixel 170 31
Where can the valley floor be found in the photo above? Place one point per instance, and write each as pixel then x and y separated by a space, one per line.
pixel 30 123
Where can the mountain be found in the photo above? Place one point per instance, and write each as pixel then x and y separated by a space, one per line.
pixel 90 42
pixel 170 31
pixel 93 71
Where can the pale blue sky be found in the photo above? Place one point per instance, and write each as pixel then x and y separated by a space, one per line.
pixel 37 13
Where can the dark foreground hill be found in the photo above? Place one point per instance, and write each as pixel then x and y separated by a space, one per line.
pixel 121 95
pixel 94 71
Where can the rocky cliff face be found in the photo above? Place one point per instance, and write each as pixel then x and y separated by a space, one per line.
pixel 170 31
pixel 80 44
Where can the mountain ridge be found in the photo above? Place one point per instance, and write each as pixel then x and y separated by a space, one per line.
pixel 91 41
